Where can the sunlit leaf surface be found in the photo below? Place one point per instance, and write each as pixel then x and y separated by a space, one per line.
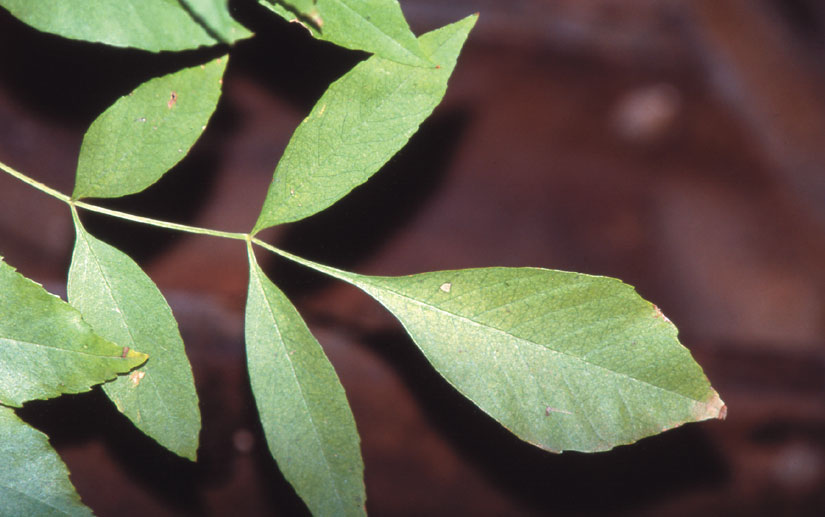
pixel 303 408
pixel 145 133
pixel 361 121
pixel 33 480
pixel 566 361
pixel 123 305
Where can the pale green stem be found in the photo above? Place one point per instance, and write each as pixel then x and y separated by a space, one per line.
pixel 335 273
pixel 160 224
pixel 116 213
pixel 34 183
pixel 327 270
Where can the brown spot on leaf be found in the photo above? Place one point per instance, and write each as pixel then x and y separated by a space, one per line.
pixel 446 286
pixel 173 98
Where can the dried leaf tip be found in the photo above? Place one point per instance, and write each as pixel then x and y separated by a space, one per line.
pixel 714 407
pixel 660 314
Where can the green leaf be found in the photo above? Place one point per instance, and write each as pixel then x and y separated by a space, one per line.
pixel 123 305
pixel 152 25
pixel 46 348
pixel 33 480
pixel 303 408
pixel 376 26
pixel 214 16
pixel 144 134
pixel 361 121
pixel 566 361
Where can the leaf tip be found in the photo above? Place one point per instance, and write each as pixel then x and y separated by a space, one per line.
pixel 134 356
pixel 714 407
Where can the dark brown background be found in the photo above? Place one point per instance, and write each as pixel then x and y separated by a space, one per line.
pixel 678 145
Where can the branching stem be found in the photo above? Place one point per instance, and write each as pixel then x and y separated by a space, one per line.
pixel 169 225
pixel 117 213
pixel 34 183
pixel 157 222
pixel 331 271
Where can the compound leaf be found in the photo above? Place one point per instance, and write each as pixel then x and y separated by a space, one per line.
pixel 375 26
pixel 143 134
pixel 122 304
pixel 33 480
pixel 566 361
pixel 152 25
pixel 359 123
pixel 303 408
pixel 46 348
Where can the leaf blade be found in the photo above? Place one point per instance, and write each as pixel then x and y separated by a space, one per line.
pixel 122 304
pixel 153 25
pixel 563 360
pixel 375 26
pixel 215 17
pixel 145 133
pixel 46 349
pixel 308 424
pixel 361 121
pixel 33 480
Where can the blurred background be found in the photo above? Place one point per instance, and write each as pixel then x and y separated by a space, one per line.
pixel 676 144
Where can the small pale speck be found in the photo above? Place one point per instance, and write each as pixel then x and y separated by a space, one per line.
pixel 136 377
pixel 446 286
pixel 550 409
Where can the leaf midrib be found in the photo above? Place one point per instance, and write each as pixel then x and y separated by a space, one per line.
pixel 147 385
pixel 26 495
pixel 385 35
pixel 285 353
pixel 56 348
pixel 377 290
